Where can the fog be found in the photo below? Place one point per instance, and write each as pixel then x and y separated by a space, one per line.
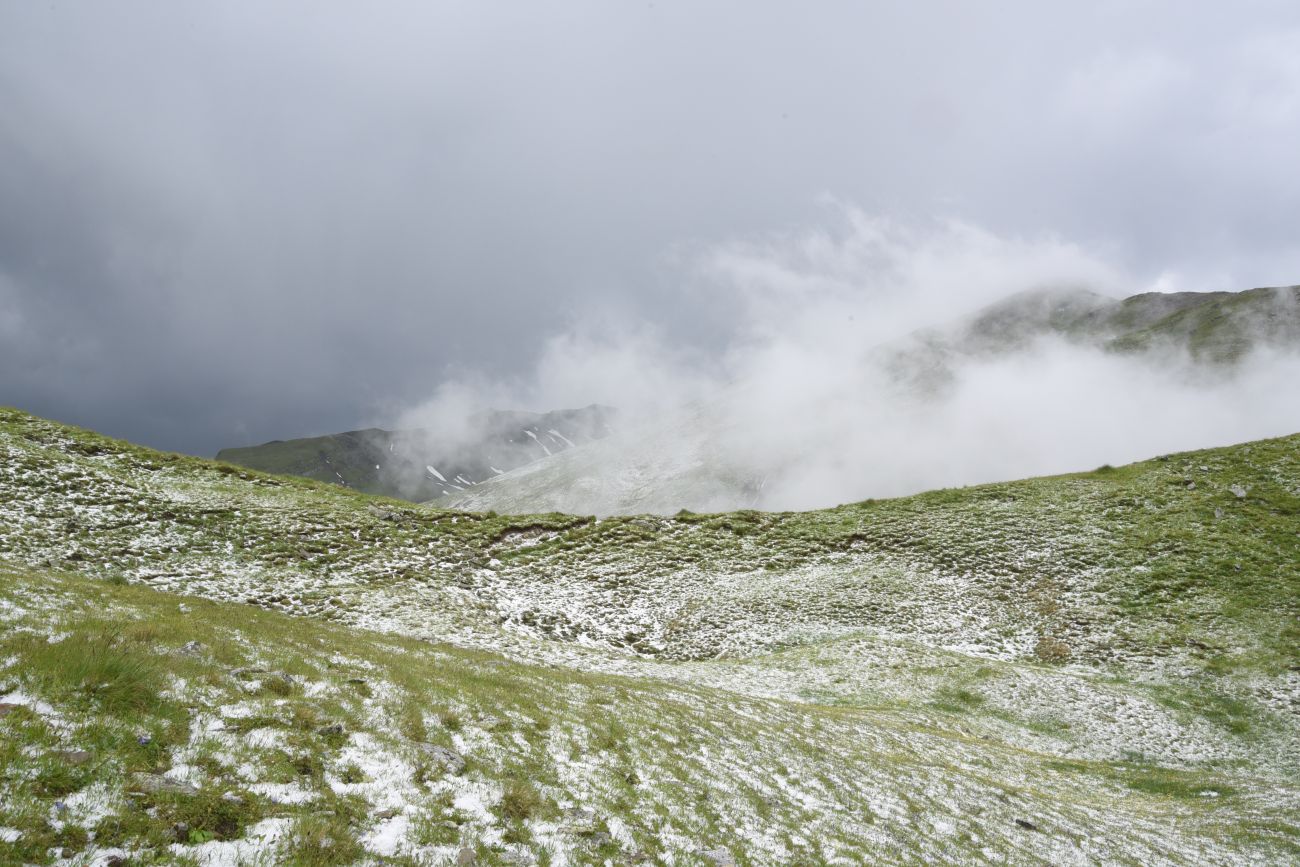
pixel 800 409
pixel 227 223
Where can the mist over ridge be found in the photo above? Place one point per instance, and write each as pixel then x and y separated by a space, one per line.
pixel 875 359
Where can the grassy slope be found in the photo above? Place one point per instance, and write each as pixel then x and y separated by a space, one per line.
pixel 1223 328
pixel 1091 653
pixel 345 457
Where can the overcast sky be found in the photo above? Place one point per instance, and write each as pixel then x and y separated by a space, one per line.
pixel 230 222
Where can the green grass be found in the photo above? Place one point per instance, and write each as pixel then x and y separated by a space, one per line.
pixel 1177 604
pixel 97 664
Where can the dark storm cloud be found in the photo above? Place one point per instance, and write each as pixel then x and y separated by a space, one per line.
pixel 226 223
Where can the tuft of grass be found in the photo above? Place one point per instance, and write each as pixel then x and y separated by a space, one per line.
pixel 319 840
pixel 956 699
pixel 520 801
pixel 96 663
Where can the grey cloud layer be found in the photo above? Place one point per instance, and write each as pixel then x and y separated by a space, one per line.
pixel 248 220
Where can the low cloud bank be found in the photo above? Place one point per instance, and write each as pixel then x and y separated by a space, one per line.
pixel 798 410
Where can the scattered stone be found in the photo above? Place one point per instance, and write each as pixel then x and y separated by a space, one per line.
pixel 719 856
pixel 1238 491
pixel 466 857
pixel 232 798
pixel 6 707
pixel 144 740
pixel 580 820
pixel 74 757
pixel 192 648
pixel 356 681
pixel 383 514
pixel 387 814
pixel 181 832
pixel 114 861
pixel 331 729
pixel 450 760
pixel 248 673
pixel 155 784
pixel 1218 514
pixel 1026 824
pixel 1191 485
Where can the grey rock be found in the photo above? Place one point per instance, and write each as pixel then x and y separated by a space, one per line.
pixel 181 832
pixel 719 856
pixel 331 729
pixel 580 820
pixel 383 514
pixel 232 798
pixel 386 814
pixel 466 857
pixel 158 784
pixel 450 760
pixel 74 757
pixel 192 648
pixel 1026 824
pixel 1218 514
pixel 1238 491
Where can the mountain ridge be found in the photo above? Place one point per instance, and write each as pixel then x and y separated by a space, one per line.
pixel 700 460
pixel 420 464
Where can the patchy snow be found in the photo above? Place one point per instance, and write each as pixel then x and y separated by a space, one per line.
pixel 35 705
pixel 388 836
pixel 284 793
pixel 86 807
pixel 538 441
pixel 434 472
pixel 257 846
pixel 555 433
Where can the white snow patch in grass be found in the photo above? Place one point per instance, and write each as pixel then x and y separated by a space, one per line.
pixel 388 779
pixel 283 793
pixel 256 847
pixel 86 807
pixel 388 835
pixel 265 738
pixel 243 710
pixel 35 705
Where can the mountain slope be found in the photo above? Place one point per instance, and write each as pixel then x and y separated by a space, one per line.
pixel 717 457
pixel 1093 667
pixel 421 464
